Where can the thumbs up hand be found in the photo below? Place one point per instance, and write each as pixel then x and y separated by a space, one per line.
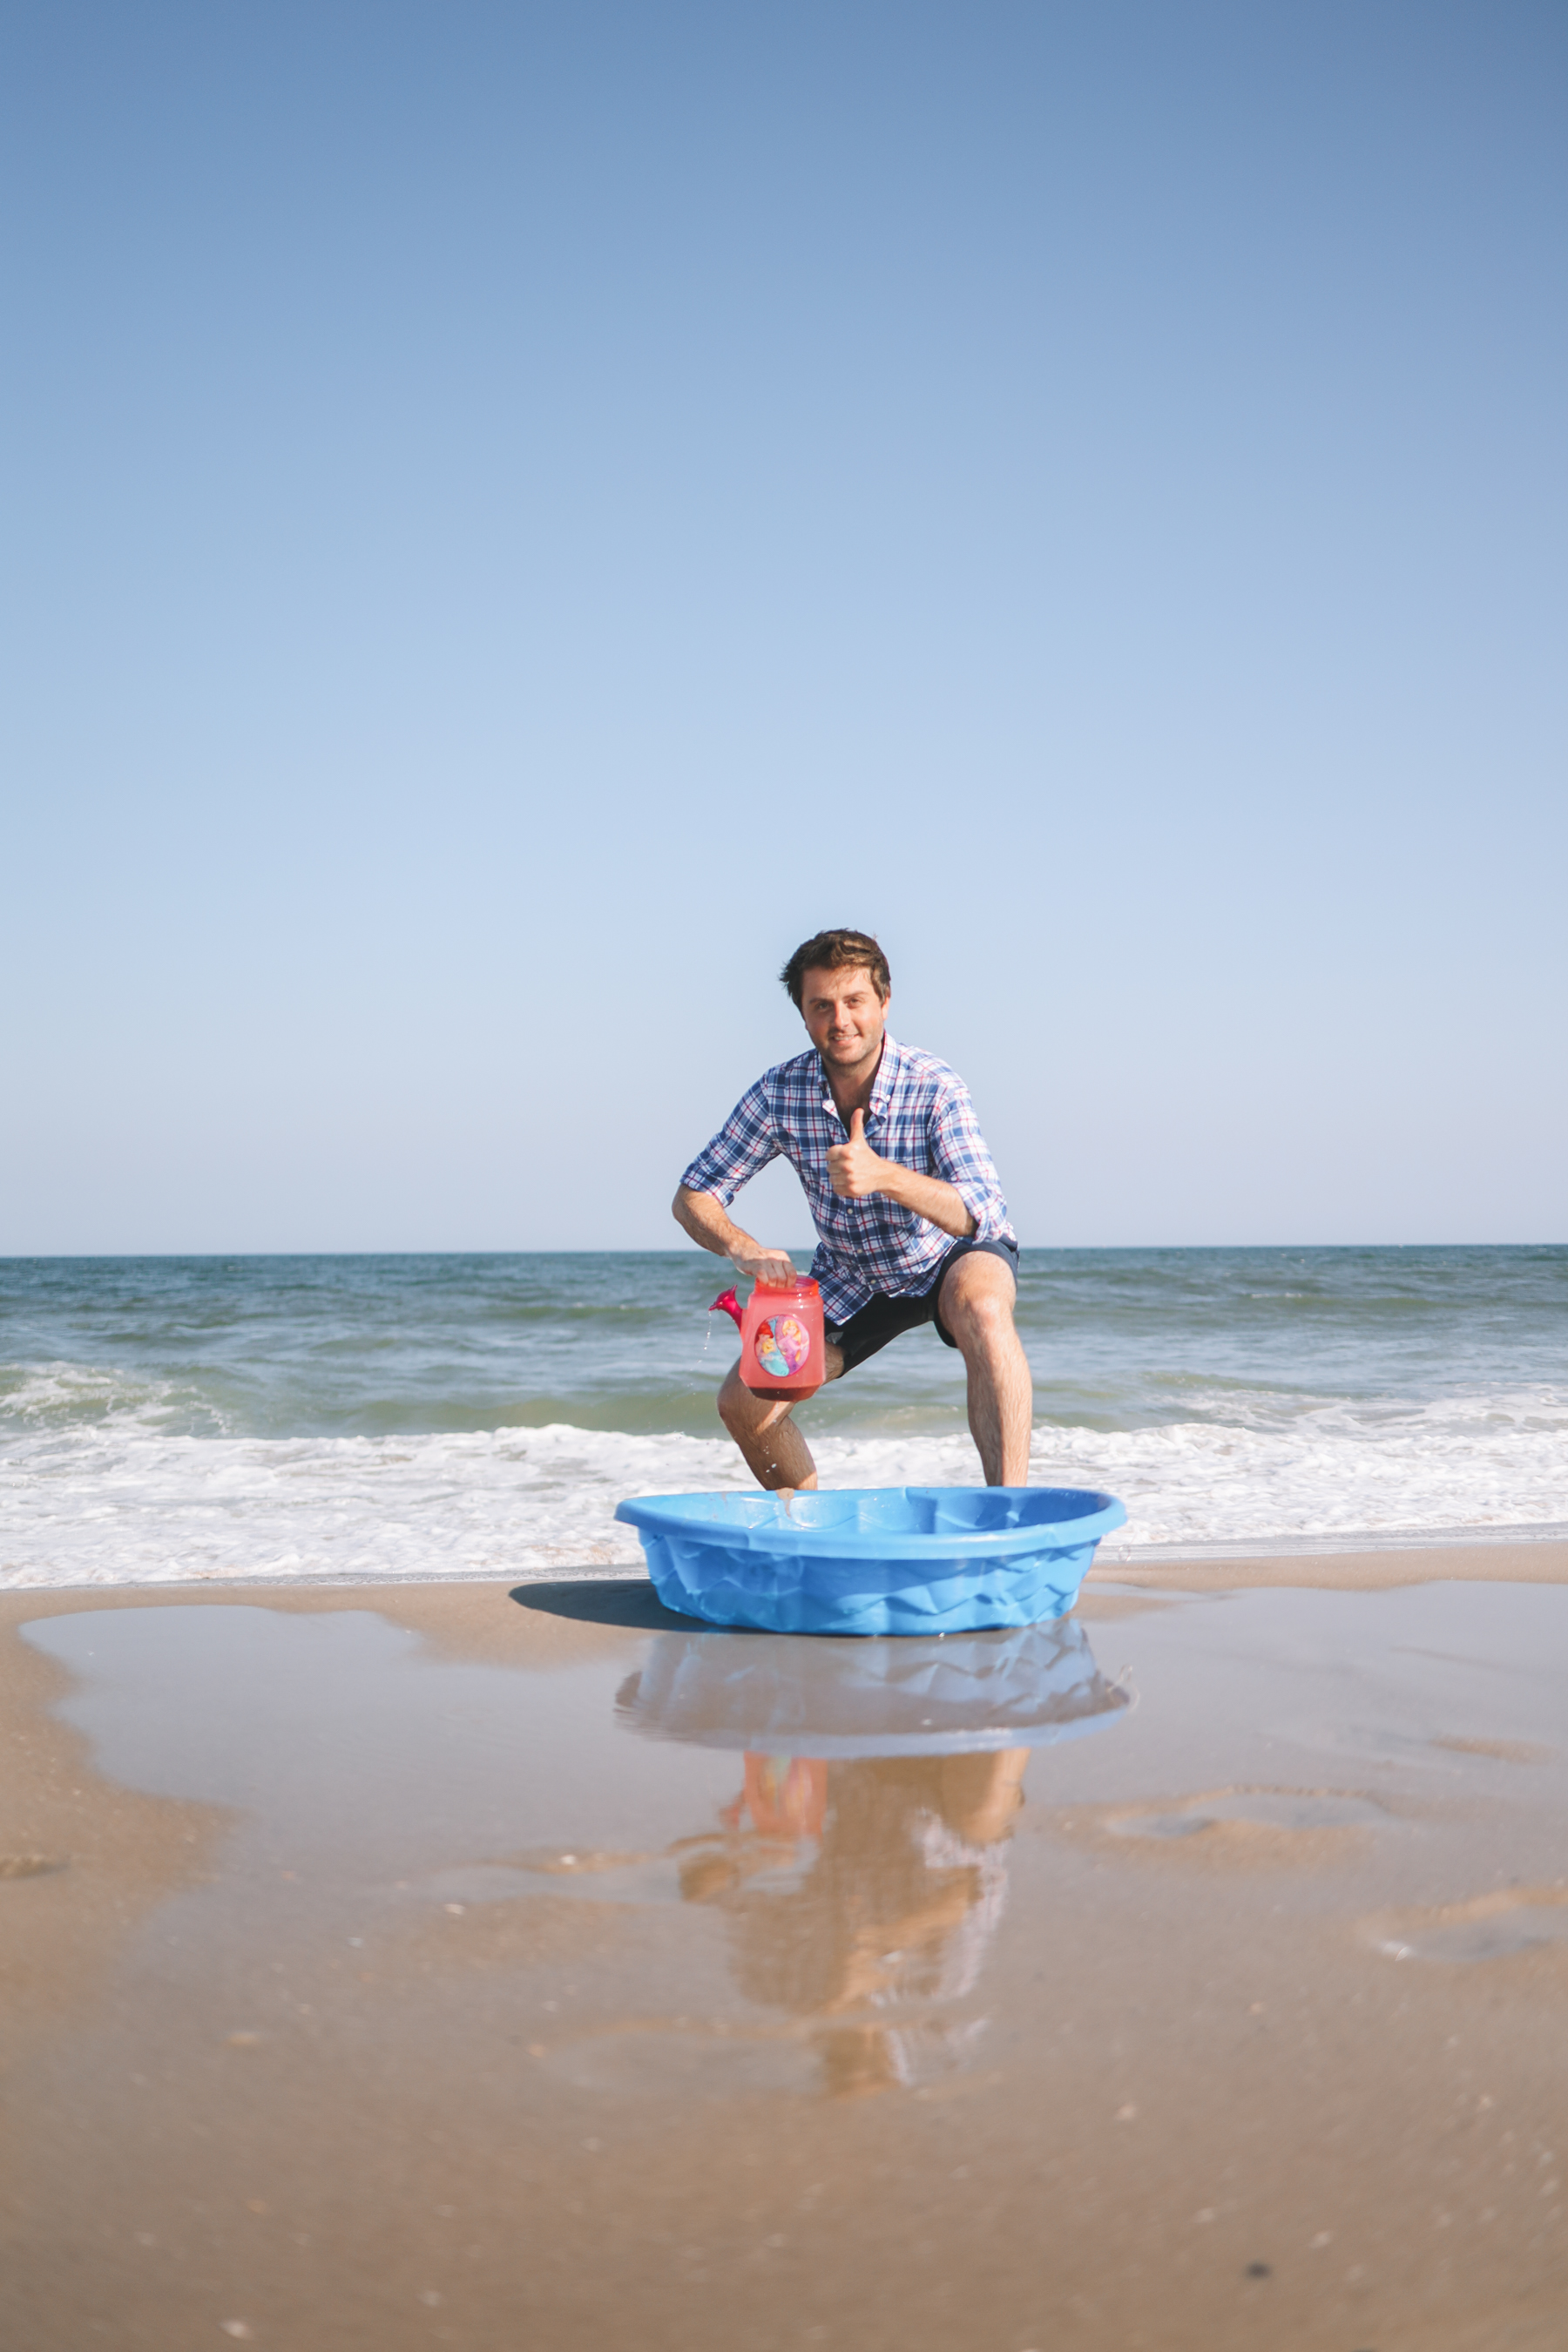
pixel 854 1169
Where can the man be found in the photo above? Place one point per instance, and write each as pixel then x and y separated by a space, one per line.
pixel 913 1228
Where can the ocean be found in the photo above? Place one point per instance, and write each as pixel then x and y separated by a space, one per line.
pixel 171 1420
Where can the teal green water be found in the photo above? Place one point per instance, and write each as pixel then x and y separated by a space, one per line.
pixel 1223 1393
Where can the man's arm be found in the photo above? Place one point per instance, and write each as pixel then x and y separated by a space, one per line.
pixel 712 1227
pixel 742 1148
pixel 855 1172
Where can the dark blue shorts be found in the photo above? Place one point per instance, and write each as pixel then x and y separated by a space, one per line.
pixel 883 1318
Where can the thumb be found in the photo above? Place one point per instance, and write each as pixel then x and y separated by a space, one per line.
pixel 857 1127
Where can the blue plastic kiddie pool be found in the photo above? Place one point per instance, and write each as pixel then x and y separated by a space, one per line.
pixel 874 1559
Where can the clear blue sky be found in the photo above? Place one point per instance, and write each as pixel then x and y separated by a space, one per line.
pixel 513 515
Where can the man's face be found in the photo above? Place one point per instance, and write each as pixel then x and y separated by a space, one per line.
pixel 844 1016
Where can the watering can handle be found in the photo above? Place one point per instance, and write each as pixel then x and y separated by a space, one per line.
pixel 730 1303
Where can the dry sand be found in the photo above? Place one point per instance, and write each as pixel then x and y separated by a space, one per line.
pixel 370 1981
pixel 1534 1559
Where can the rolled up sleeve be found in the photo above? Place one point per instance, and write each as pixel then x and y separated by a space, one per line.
pixel 959 1155
pixel 742 1149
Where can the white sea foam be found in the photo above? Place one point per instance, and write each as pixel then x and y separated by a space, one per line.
pixel 65 1396
pixel 118 1501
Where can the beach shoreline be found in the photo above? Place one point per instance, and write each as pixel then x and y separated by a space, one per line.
pixel 1532 1556
pixel 1538 1557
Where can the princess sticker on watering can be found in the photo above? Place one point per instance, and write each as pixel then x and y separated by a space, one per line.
pixel 783 1345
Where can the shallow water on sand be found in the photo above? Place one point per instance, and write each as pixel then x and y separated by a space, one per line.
pixel 178 1419
pixel 482 1970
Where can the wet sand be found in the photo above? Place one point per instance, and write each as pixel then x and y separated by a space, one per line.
pixel 444 1965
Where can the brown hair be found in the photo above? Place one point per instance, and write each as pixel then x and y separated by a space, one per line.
pixel 837 952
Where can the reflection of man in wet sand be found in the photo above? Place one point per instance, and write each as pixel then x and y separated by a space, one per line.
pixel 894 1915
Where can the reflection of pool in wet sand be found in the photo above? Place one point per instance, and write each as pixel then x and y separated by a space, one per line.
pixel 412 1966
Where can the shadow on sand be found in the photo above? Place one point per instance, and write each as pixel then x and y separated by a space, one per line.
pixel 607 1600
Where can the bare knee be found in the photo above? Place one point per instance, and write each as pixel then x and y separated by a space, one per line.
pixel 735 1418
pixel 985 1328
pixel 979 1317
pixel 736 1406
pixel 743 1414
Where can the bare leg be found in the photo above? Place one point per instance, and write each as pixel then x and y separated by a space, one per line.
pixel 977 1308
pixel 777 1455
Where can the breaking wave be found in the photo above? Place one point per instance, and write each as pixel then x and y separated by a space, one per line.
pixel 94 1490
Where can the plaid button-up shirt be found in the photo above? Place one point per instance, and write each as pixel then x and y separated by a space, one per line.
pixel 920 1114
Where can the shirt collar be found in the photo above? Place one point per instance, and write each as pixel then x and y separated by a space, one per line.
pixel 881 1085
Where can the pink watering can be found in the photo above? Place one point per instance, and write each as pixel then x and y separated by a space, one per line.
pixel 781 1338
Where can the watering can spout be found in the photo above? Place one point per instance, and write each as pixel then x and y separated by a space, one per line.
pixel 730 1303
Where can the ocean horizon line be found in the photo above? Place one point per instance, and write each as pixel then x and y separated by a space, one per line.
pixel 630 1249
